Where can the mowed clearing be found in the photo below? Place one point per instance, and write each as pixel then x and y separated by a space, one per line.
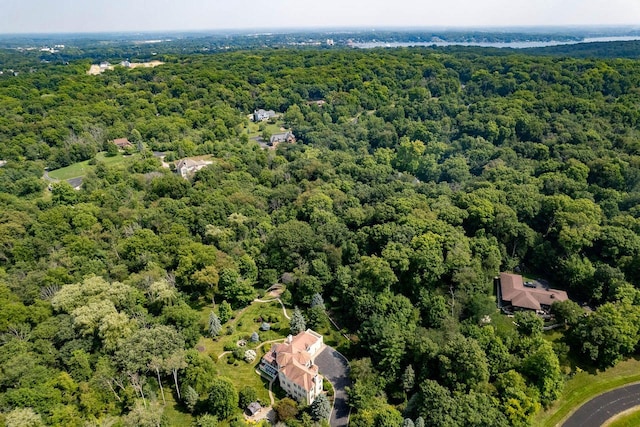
pixel 95 69
pixel 80 169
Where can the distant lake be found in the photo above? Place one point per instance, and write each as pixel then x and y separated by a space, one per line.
pixel 513 45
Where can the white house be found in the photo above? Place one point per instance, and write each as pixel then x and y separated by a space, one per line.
pixel 260 115
pixel 292 363
pixel 187 167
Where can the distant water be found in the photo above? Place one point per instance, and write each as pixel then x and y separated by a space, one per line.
pixel 513 45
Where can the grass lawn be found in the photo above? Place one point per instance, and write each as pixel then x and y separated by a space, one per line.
pixel 272 128
pixel 554 335
pixel 584 385
pixel 240 327
pixel 243 374
pixel 81 168
pixel 243 324
pixel 174 412
pixel 628 419
pixel 504 324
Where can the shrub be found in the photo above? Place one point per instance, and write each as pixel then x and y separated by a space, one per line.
pixel 238 353
pixel 286 409
pixel 247 395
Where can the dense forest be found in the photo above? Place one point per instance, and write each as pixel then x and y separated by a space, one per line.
pixel 422 175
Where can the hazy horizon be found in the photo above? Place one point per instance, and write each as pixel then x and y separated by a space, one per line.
pixel 354 29
pixel 133 16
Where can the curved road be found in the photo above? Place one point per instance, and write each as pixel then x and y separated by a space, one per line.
pixel 599 409
pixel 335 367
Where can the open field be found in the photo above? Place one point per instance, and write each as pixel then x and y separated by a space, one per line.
pixel 81 168
pixel 95 69
pixel 584 386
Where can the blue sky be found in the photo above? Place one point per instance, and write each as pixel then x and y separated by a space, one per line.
pixel 20 16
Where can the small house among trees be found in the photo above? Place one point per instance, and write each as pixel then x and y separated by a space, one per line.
pixel 122 143
pixel 187 167
pixel 514 292
pixel 260 115
pixel 277 138
pixel 253 408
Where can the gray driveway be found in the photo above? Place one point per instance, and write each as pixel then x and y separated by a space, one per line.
pixel 75 182
pixel 599 409
pixel 335 367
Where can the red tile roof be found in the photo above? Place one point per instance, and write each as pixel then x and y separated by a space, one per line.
pixel 292 358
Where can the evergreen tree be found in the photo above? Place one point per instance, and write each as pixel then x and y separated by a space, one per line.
pixel 316 300
pixel 408 379
pixel 190 397
pixel 297 323
pixel 214 325
pixel 321 408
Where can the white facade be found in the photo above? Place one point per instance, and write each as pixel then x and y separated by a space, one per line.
pixel 260 115
pixel 188 167
pixel 301 393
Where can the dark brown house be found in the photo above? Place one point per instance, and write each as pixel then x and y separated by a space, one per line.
pixel 512 291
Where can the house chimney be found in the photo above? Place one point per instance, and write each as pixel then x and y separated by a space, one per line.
pixel 289 339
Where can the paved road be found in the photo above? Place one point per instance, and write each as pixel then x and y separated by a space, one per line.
pixel 335 368
pixel 599 409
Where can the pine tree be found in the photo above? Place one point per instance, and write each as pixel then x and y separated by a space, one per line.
pixel 297 323
pixel 190 397
pixel 316 300
pixel 320 408
pixel 214 325
pixel 408 379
